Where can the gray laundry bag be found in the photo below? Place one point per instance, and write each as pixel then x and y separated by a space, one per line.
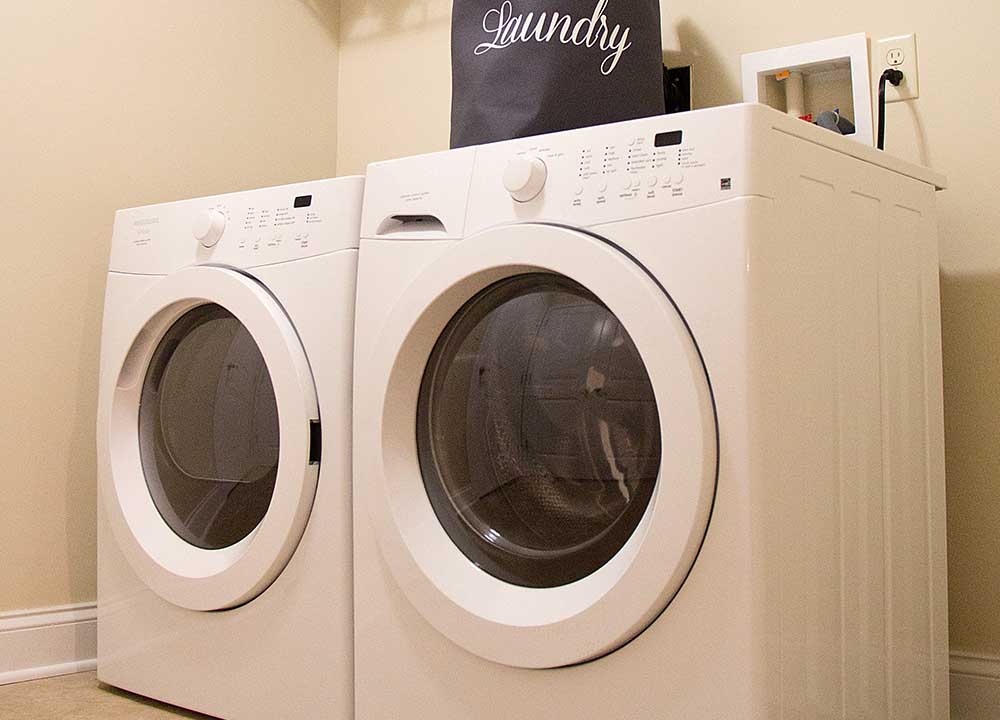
pixel 527 67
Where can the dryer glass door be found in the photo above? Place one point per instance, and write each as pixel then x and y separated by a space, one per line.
pixel 208 429
pixel 206 434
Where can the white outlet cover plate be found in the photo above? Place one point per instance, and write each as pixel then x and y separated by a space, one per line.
pixel 899 52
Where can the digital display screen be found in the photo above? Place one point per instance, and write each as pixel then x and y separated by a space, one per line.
pixel 666 139
pixel 303 201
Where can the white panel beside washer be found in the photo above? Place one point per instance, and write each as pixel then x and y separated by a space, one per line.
pixel 218 591
pixel 783 299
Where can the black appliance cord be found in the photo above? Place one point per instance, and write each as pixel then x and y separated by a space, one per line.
pixel 895 77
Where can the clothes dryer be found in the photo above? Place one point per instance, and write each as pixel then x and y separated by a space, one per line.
pixel 224 574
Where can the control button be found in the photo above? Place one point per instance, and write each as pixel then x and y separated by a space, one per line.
pixel 627 184
pixel 525 177
pixel 651 181
pixel 678 178
pixel 579 190
pixel 602 188
pixel 208 227
pixel 636 183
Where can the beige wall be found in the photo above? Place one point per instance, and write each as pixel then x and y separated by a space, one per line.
pixel 395 80
pixel 394 100
pixel 109 104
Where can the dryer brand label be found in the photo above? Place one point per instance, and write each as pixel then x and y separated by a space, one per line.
pixel 508 28
pixel 142 231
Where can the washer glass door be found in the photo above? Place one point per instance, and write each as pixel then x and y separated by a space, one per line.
pixel 538 431
pixel 539 436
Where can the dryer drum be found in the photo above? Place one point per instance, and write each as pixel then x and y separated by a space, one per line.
pixel 208 429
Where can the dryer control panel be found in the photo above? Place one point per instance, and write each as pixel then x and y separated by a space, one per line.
pixel 243 229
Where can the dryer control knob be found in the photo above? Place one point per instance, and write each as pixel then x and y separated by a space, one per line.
pixel 525 177
pixel 208 227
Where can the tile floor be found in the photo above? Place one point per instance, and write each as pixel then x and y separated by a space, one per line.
pixel 80 697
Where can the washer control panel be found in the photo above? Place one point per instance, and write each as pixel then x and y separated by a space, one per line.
pixel 632 169
pixel 579 178
pixel 607 173
pixel 245 229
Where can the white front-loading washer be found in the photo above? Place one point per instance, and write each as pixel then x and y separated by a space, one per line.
pixel 224 530
pixel 648 424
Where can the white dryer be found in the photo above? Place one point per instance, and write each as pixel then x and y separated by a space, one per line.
pixel 648 424
pixel 224 531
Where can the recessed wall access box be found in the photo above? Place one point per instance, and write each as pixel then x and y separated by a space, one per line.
pixel 811 78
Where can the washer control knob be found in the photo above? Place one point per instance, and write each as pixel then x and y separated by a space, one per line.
pixel 208 227
pixel 525 177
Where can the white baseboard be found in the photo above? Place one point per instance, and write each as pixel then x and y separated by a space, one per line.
pixel 45 642
pixel 975 686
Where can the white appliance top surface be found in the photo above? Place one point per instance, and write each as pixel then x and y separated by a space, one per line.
pixel 807 131
pixel 595 175
pixel 776 119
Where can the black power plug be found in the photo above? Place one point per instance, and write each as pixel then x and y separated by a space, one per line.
pixel 895 77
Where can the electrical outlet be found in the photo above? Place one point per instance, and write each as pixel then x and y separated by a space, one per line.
pixel 899 53
pixel 677 89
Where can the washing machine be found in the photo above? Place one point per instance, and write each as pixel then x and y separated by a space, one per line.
pixel 648 424
pixel 224 445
